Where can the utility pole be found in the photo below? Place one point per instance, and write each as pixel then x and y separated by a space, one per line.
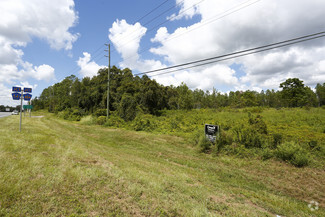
pixel 21 108
pixel 108 73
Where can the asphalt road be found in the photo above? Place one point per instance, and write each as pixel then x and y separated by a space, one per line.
pixel 4 114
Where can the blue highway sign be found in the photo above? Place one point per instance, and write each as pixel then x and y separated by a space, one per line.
pixel 16 96
pixel 27 90
pixel 27 97
pixel 16 89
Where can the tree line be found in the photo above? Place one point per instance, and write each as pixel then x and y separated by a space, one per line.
pixel 130 95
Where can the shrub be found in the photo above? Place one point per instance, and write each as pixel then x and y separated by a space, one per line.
pixel 64 114
pixel 224 139
pixel 257 123
pixel 254 109
pixel 195 138
pixel 71 114
pixel 286 151
pixel 87 120
pixel 100 112
pixel 238 150
pixel 248 137
pixel 143 122
pixel 174 124
pixel 127 108
pixel 101 120
pixel 205 144
pixel 300 159
pixel 115 121
pixel 267 154
pixel 75 115
pixel 277 139
pixel 292 153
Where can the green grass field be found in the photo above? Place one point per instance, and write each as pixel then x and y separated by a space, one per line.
pixel 61 168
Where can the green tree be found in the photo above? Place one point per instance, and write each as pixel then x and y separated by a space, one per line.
pixel 320 91
pixel 127 107
pixel 293 92
pixel 185 97
pixel 249 98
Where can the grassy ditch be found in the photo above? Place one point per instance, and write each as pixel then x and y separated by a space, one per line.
pixel 60 168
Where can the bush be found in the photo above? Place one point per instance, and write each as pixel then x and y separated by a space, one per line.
pixel 127 108
pixel 225 139
pixel 300 159
pixel 277 139
pixel 100 112
pixel 257 123
pixel 195 137
pixel 75 115
pixel 267 154
pixel 312 144
pixel 254 109
pixel 143 122
pixel 292 153
pixel 115 121
pixel 87 120
pixel 101 120
pixel 71 114
pixel 64 114
pixel 248 137
pixel 205 144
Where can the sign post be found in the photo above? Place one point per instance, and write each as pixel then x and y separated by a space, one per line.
pixel 18 94
pixel 21 110
pixel 28 108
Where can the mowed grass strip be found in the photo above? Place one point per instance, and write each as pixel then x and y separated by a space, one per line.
pixel 60 168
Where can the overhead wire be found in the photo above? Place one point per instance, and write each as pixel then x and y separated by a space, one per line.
pixel 94 57
pixel 151 11
pixel 160 24
pixel 236 54
pixel 208 21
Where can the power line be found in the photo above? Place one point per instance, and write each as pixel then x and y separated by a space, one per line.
pixel 208 21
pixel 169 9
pixel 132 33
pixel 238 53
pixel 75 69
pixel 160 24
pixel 151 11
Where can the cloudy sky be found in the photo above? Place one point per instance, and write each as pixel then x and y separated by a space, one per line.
pixel 43 41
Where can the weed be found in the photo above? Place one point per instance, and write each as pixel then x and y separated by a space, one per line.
pixel 277 140
pixel 101 120
pixel 292 153
pixel 205 144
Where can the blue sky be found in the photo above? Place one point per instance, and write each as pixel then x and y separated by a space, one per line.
pixel 43 41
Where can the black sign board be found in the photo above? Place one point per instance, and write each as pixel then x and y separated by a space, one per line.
pixel 211 132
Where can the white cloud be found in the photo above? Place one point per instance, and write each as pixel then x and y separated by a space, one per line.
pixel 88 68
pixel 23 20
pixel 204 78
pixel 46 19
pixel 226 27
pixel 126 39
pixel 44 72
pixel 27 84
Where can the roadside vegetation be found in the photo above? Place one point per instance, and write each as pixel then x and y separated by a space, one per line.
pixel 293 135
pixel 286 125
pixel 62 168
pixel 150 156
